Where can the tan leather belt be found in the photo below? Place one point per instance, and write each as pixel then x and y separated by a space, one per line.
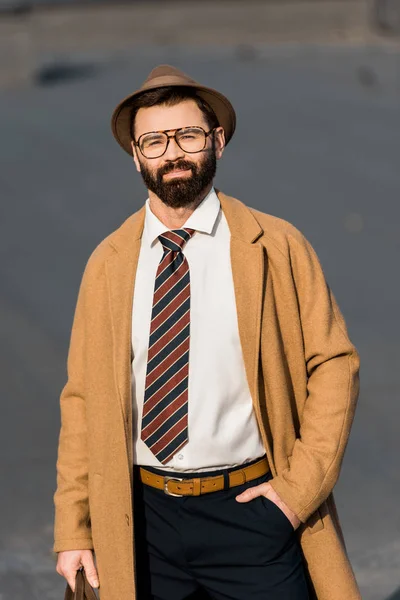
pixel 176 486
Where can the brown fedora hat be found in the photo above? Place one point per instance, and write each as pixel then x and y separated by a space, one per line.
pixel 164 76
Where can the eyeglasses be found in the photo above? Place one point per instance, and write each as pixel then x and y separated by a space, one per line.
pixel 190 139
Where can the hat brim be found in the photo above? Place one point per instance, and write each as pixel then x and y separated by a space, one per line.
pixel 223 109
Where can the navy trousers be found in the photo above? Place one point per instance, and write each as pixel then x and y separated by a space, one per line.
pixel 212 546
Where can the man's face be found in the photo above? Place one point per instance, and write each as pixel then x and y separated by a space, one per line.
pixel 177 178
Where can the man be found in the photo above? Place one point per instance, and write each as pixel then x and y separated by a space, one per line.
pixel 211 384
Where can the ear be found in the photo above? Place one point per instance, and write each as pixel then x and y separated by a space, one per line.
pixel 135 156
pixel 219 134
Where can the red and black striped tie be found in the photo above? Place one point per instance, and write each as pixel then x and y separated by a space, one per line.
pixel 165 407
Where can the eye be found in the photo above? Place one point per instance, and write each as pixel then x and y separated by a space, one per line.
pixel 153 141
pixel 191 134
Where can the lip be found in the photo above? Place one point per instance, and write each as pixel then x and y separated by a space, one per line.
pixel 177 173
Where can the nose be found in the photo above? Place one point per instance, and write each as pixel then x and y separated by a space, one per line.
pixel 173 151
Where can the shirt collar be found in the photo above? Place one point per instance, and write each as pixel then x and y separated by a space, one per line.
pixel 202 219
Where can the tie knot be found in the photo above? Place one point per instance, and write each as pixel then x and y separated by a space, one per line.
pixel 176 238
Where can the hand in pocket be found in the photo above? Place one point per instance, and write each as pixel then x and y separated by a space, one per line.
pixel 266 490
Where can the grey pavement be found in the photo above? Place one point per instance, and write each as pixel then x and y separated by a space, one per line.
pixel 28 38
pixel 317 144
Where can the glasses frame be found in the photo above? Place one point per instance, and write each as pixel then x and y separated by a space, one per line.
pixel 173 135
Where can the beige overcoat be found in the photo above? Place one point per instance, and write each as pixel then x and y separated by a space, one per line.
pixel 302 371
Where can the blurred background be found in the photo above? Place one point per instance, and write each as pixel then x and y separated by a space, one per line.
pixel 316 87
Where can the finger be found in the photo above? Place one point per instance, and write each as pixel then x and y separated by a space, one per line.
pixel 90 569
pixel 253 492
pixel 70 577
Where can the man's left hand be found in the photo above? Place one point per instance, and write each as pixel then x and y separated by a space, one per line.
pixel 265 489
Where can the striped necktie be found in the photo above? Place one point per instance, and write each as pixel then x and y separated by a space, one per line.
pixel 165 408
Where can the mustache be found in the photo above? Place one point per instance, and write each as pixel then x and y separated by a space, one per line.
pixel 176 166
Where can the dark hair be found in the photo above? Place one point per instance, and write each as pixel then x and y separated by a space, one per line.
pixel 170 96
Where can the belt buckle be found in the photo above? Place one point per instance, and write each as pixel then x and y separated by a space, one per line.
pixel 166 490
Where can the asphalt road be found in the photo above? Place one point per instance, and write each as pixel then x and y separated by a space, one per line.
pixel 317 144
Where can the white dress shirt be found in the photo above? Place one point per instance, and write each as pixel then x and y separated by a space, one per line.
pixel 222 427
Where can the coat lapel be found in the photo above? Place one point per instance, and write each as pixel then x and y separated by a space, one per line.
pixel 121 272
pixel 249 271
pixel 247 262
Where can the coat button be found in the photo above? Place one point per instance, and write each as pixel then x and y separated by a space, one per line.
pixel 127 519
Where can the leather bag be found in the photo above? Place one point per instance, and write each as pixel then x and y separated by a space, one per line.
pixel 83 589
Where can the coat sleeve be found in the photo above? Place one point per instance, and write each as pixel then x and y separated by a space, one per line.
pixel 332 364
pixel 72 519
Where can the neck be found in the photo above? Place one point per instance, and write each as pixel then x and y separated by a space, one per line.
pixel 175 218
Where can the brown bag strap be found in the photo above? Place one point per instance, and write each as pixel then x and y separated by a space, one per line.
pixel 83 589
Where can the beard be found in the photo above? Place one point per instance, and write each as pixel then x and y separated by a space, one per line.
pixel 181 191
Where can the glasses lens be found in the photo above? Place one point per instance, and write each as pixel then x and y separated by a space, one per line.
pixel 191 139
pixel 153 145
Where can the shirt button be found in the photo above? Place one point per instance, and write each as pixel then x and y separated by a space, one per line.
pixel 180 456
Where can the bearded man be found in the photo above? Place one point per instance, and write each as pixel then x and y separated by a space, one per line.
pixel 211 384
